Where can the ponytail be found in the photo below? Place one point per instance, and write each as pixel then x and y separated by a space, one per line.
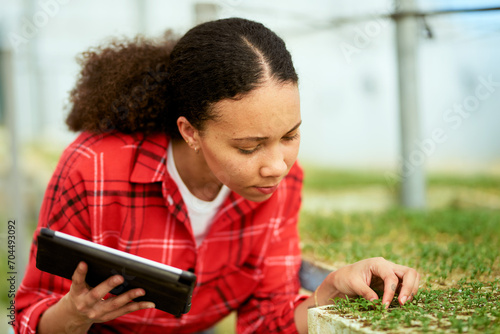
pixel 122 86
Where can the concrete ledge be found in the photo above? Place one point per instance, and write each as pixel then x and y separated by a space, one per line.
pixel 320 321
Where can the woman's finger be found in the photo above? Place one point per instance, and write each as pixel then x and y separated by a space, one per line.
pixel 117 302
pixel 409 285
pixel 363 290
pixel 78 279
pixel 390 285
pixel 410 282
pixel 385 270
pixel 117 306
pixel 100 291
pixel 127 308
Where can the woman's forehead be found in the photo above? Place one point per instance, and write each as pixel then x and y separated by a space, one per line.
pixel 262 112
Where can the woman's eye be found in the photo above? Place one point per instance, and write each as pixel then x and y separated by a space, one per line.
pixel 247 151
pixel 244 151
pixel 290 138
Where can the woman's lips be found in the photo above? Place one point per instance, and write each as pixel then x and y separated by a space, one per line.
pixel 267 190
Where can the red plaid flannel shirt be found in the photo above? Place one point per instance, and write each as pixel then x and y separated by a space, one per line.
pixel 114 190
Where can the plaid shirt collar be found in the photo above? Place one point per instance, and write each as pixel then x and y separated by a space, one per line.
pixel 150 163
pixel 150 167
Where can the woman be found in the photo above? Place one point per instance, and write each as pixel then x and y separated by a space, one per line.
pixel 187 156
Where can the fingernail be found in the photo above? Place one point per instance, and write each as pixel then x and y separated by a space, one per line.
pixel 150 305
pixel 117 280
pixel 403 300
pixel 141 293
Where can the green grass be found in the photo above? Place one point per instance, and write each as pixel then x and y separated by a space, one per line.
pixel 455 250
pixel 447 243
pixel 318 179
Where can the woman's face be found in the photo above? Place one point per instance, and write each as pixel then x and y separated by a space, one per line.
pixel 254 141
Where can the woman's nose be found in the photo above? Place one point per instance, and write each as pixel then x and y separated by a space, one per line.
pixel 274 164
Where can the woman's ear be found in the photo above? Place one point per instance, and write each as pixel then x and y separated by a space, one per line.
pixel 188 132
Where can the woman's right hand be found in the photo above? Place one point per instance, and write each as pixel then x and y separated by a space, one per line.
pixel 83 306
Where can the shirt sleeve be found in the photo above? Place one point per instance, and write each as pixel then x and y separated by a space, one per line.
pixel 64 208
pixel 271 308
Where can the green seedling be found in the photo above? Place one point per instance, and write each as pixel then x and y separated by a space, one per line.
pixel 474 308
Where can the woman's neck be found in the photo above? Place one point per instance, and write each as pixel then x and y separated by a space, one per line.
pixel 194 171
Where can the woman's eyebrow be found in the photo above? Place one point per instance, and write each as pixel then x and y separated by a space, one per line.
pixel 295 127
pixel 265 138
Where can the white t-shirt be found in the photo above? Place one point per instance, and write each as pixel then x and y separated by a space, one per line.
pixel 200 212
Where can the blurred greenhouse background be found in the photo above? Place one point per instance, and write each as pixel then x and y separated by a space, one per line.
pixel 348 57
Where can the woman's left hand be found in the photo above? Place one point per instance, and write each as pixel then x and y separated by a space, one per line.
pixel 361 278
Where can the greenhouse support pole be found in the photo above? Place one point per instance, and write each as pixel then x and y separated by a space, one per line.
pixel 15 208
pixel 413 159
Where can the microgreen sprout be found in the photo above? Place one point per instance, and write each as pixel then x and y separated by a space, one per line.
pixel 472 308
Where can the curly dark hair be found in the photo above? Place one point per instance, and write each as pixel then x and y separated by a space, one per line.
pixel 143 85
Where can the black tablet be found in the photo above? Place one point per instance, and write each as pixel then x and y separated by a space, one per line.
pixel 168 287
